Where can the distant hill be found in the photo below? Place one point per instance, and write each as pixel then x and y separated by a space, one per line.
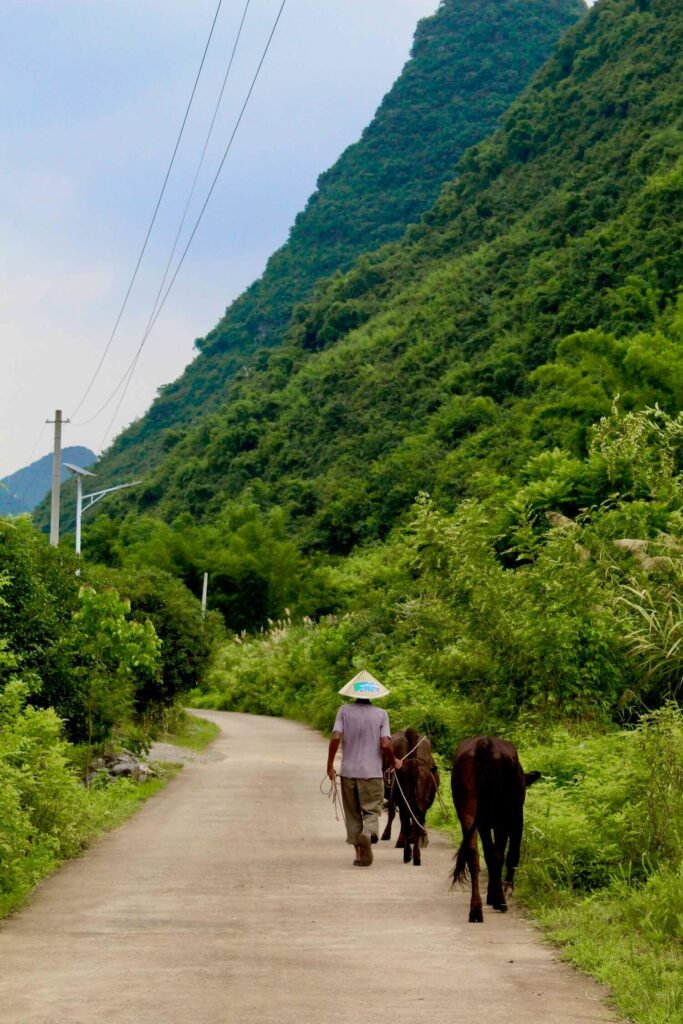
pixel 23 490
pixel 468 63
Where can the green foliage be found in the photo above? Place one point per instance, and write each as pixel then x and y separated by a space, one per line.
pixel 513 612
pixel 77 648
pixel 603 854
pixel 643 451
pixel 607 808
pixel 186 730
pixel 542 283
pixel 186 640
pixel 625 936
pixel 46 815
pixel 467 65
pixel 255 569
pixel 41 590
pixel 656 639
pixel 110 657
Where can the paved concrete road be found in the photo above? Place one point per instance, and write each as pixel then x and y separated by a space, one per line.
pixel 231 897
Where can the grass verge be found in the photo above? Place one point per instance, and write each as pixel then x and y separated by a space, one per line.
pixel 96 810
pixel 616 936
pixel 185 730
pixel 601 867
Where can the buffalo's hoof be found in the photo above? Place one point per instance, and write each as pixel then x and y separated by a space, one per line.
pixel 502 907
pixel 400 844
pixel 417 863
pixel 476 915
pixel 385 837
pixel 406 856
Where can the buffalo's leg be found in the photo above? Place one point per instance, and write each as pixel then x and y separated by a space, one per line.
pixel 471 852
pixel 489 857
pixel 403 832
pixel 407 849
pixel 418 834
pixel 391 814
pixel 496 895
pixel 476 909
pixel 512 859
pixel 406 834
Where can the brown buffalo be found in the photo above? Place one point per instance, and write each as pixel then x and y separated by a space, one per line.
pixel 489 788
pixel 412 791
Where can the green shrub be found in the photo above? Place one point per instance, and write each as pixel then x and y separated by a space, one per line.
pixel 110 657
pixel 46 814
pixel 187 641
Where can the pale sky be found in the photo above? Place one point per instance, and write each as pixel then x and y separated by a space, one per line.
pixel 93 93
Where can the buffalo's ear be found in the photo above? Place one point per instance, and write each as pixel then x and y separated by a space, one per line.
pixel 531 777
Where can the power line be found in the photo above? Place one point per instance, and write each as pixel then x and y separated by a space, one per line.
pixel 131 369
pixel 85 423
pixel 199 165
pixel 154 216
pixel 182 220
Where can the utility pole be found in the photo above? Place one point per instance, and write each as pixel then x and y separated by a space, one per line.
pixel 56 478
pixel 205 587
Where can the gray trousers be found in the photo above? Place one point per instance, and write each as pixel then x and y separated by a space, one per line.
pixel 362 801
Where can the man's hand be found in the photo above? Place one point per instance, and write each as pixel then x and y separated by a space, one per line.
pixel 398 764
pixel 332 753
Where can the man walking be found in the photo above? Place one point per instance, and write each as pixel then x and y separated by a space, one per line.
pixel 364 733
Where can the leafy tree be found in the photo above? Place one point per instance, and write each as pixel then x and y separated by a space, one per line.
pixel 110 657
pixel 41 589
pixel 186 640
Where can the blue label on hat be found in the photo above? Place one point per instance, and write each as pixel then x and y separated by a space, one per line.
pixel 365 687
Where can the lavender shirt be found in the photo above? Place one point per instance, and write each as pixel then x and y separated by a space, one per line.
pixel 361 726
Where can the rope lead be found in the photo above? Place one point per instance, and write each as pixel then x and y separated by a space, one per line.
pixel 334 795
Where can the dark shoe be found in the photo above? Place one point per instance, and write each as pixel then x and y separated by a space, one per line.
pixel 364 849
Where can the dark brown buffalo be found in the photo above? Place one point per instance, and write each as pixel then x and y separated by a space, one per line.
pixel 412 791
pixel 489 788
pixel 400 747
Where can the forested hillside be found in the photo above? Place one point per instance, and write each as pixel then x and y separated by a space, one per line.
pixel 468 63
pixel 542 283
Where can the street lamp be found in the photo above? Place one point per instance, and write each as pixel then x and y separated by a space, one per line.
pixel 86 501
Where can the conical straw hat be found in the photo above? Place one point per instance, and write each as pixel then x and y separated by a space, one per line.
pixel 364 686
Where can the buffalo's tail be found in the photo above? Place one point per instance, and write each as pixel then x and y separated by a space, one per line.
pixel 460 871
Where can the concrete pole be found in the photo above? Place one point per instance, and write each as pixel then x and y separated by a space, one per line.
pixel 205 588
pixel 56 480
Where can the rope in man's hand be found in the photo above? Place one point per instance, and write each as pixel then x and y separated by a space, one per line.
pixel 332 793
